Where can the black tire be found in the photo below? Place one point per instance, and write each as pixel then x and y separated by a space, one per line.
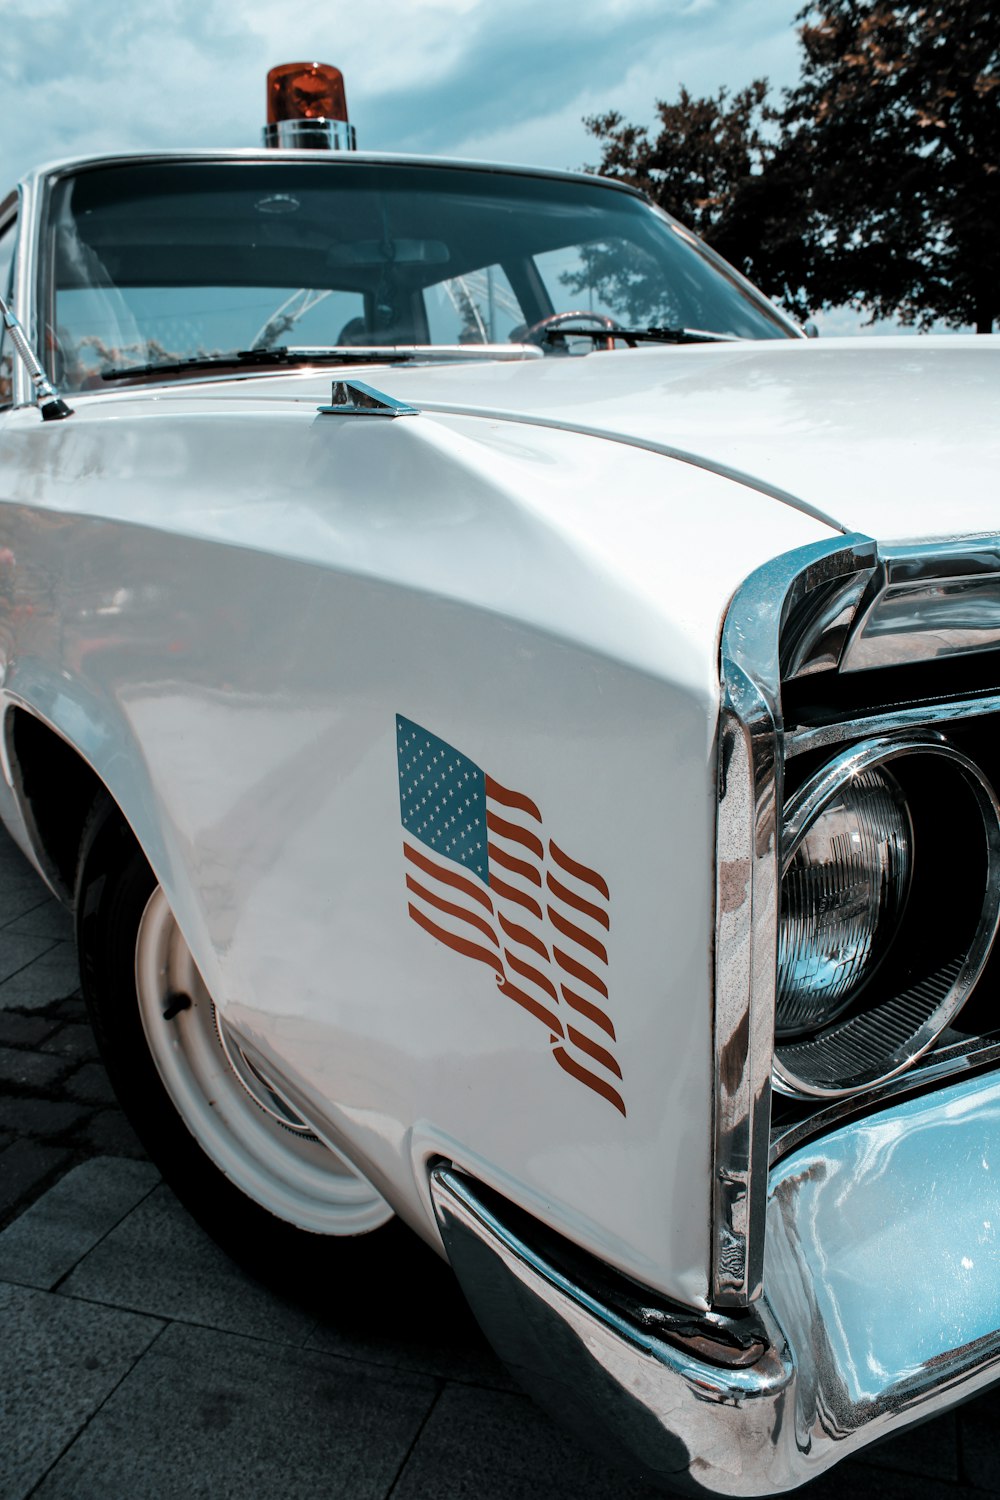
pixel 114 886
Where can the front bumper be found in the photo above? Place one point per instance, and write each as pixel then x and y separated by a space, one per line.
pixel 881 1308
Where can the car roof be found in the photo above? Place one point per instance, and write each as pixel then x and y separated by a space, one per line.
pixel 344 159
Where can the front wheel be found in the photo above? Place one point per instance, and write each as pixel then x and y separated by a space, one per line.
pixel 233 1149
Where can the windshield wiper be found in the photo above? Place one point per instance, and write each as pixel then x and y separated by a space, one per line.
pixel 335 354
pixel 280 356
pixel 633 336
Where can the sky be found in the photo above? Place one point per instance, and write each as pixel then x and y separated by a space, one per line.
pixel 504 80
pixel 501 79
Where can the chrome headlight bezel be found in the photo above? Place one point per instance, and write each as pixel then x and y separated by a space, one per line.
pixel 860 1048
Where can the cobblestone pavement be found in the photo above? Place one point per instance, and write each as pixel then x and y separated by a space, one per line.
pixel 136 1360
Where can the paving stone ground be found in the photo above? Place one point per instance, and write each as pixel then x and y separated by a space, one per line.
pixel 137 1361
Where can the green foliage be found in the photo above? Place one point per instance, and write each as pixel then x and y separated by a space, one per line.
pixel 716 164
pixel 877 183
pixel 896 118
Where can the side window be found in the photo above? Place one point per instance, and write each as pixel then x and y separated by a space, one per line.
pixel 478 307
pixel 8 235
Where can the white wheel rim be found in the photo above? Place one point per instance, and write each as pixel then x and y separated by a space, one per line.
pixel 238 1120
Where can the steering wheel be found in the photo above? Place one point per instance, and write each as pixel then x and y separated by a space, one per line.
pixel 531 334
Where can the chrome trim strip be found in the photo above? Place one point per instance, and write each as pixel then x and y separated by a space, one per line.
pixel 973 1055
pixel 646 445
pixel 799 741
pixel 818 647
pixel 924 608
pixel 750 769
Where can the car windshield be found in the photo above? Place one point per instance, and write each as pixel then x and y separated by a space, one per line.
pixel 171 261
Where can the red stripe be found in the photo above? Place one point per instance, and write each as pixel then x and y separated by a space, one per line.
pixel 573 867
pixel 501 888
pixel 596 913
pixel 524 937
pixel 519 866
pixel 511 799
pixel 460 882
pixel 568 1065
pixel 513 993
pixel 470 950
pixel 513 831
pixel 570 966
pixel 527 972
pixel 452 910
pixel 570 930
pixel 585 1008
pixel 598 1053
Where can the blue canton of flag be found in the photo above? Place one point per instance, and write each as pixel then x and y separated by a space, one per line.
pixel 442 797
pixel 483 879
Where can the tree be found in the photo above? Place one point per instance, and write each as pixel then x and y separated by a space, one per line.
pixel 717 165
pixel 877 183
pixel 896 120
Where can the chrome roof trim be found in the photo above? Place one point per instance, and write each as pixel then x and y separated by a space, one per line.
pixel 345 160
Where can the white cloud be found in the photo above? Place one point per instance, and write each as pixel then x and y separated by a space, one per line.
pixel 427 75
pixel 508 81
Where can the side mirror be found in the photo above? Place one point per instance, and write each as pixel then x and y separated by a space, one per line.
pixel 810 330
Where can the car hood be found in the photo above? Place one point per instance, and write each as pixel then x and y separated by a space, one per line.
pixel 895 437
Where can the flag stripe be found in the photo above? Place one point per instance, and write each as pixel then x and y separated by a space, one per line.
pixel 470 950
pixel 538 1010
pixel 586 1008
pixel 452 910
pixel 584 1075
pixel 512 893
pixel 449 877
pixel 577 971
pixel 573 867
pixel 564 893
pixel 593 1049
pixel 515 832
pixel 511 799
pixel 509 862
pixel 570 930
pixel 523 936
pixel 527 972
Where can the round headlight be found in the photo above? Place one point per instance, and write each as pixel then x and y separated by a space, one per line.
pixel 890 901
pixel 845 885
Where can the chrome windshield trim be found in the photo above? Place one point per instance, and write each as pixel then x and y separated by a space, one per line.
pixel 26 282
pixel 749 796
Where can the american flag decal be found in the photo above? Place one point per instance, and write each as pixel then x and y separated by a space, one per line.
pixel 483 878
